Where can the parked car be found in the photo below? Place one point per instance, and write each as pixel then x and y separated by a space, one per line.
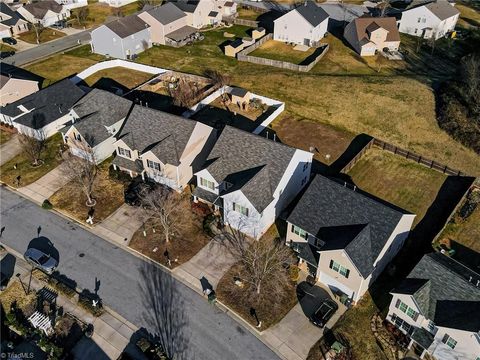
pixel 325 311
pixel 9 40
pixel 133 190
pixel 6 54
pixel 40 260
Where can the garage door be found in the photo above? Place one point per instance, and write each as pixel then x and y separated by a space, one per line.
pixel 335 284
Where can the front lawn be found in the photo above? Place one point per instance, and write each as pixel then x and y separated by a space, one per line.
pixel 469 17
pixel 98 13
pixel 188 239
pixel 116 77
pixel 402 182
pixel 46 35
pixel 108 193
pixel 277 50
pixel 28 174
pixel 5 136
pixel 5 47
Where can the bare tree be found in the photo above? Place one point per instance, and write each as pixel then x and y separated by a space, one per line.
pixel 33 146
pixel 183 95
pixel 82 14
pixel 380 61
pixel 38 28
pixel 161 206
pixel 217 78
pixel 471 74
pixel 83 170
pixel 383 6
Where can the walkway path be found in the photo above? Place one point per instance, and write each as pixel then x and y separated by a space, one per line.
pixel 46 186
pixel 10 149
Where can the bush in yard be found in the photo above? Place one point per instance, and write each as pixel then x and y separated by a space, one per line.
pixel 201 209
pixel 47 205
pixel 294 272
pixel 471 203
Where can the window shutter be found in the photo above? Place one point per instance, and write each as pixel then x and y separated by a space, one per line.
pixel 233 206
pixel 347 273
pixel 415 316
pixel 246 212
pixel 397 304
pixel 293 228
pixel 331 264
pixel 445 338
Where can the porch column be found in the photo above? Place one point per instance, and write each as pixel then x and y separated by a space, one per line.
pixel 131 173
pixel 195 199
pixel 115 167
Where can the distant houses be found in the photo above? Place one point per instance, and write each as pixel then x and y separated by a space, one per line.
pixel 15 86
pixel 11 22
pixel 117 3
pixel 46 13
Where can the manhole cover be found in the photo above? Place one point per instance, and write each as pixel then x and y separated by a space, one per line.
pixel 81 255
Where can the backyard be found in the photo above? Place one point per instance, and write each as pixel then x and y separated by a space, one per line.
pixel 117 77
pixel 21 165
pixel 277 50
pixel 47 34
pixel 98 13
pixel 108 193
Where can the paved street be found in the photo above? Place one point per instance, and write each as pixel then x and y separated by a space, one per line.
pixel 50 48
pixel 142 293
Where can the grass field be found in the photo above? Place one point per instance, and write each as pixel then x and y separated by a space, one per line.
pixel 277 50
pixel 402 182
pixel 107 192
pixel 469 17
pixel 46 35
pixel 5 136
pixel 121 76
pixel 26 171
pixel 248 14
pixel 98 13
pixel 5 47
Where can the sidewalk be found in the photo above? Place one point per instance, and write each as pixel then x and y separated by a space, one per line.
pixel 112 333
pixel 10 149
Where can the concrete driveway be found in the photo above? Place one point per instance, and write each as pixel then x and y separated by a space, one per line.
pixel 121 225
pixel 10 149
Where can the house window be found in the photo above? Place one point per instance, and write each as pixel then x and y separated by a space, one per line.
pixel 124 152
pixel 449 341
pixel 406 309
pixel 207 183
pixel 431 327
pixel 339 268
pixel 305 166
pixel 412 313
pixel 299 232
pixel 240 209
pixel 153 165
pixel 419 19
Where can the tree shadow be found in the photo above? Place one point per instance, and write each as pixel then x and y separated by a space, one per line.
pixel 164 311
pixel 44 244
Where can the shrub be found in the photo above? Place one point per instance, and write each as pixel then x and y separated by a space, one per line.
pixel 201 209
pixel 207 221
pixel 293 272
pixel 86 303
pixel 47 205
pixel 471 203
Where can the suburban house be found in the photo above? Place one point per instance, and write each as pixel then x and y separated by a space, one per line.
pixel 345 238
pixel 199 13
pixel 162 147
pixel 339 14
pixel 11 22
pixel 96 120
pixel 167 24
pixel 437 306
pixel 305 25
pixel 117 3
pixel 368 35
pixel 250 179
pixel 14 87
pixel 44 112
pixel 73 4
pixel 46 13
pixel 123 38
pixel 228 8
pixel 435 19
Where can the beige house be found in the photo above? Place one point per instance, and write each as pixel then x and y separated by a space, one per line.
pixel 198 12
pixel 368 36
pixel 343 238
pixel 46 12
pixel 164 20
pixel 11 22
pixel 13 89
pixel 162 147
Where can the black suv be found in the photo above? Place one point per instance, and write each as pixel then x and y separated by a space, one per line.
pixel 325 311
pixel 9 41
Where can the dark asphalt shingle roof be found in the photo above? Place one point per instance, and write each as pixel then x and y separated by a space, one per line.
pixel 187 6
pixel 240 92
pixel 236 43
pixel 164 134
pixel 133 165
pixel 167 13
pixel 449 295
pixel 251 163
pixel 345 219
pixel 49 104
pixel 422 337
pixel 39 9
pixel 97 110
pixel 442 9
pixel 312 13
pixel 14 16
pixel 204 194
pixel 127 26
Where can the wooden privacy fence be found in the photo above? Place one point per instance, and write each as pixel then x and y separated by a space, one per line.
pixel 432 164
pixel 245 22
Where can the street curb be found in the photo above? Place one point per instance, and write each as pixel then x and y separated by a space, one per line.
pixel 235 316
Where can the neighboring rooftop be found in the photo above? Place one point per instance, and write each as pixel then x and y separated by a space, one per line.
pixel 98 110
pixel 342 218
pixel 447 292
pixel 39 9
pixel 236 43
pixel 167 13
pixel 164 134
pixel 12 71
pixel 240 92
pixel 250 163
pixel 47 105
pixel 14 16
pixel 365 24
pixel 312 13
pixel 127 26
pixel 186 5
pixel 442 9
pixel 344 12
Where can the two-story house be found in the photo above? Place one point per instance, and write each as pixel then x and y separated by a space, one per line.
pixel 44 112
pixel 123 38
pixel 343 237
pixel 250 179
pixel 96 120
pixel 305 25
pixel 368 35
pixel 12 21
pixel 162 147
pixel 16 83
pixel 438 307
pixel 435 19
pixel 46 13
pixel 199 13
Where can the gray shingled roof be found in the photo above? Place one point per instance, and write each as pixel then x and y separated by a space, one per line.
pixel 186 5
pixel 251 163
pixel 345 219
pixel 167 13
pixel 49 104
pixel 127 26
pixel 344 12
pixel 97 110
pixel 442 9
pixel 312 13
pixel 39 9
pixel 14 16
pixel 449 295
pixel 164 134
pixel 422 337
pixel 134 165
pixel 240 92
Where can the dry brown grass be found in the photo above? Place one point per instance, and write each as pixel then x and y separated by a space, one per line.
pixel 277 50
pixel 469 17
pixel 99 13
pixel 14 292
pixel 187 241
pixel 5 136
pixel 108 193
pixel 399 181
pixel 125 77
pixel 46 35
